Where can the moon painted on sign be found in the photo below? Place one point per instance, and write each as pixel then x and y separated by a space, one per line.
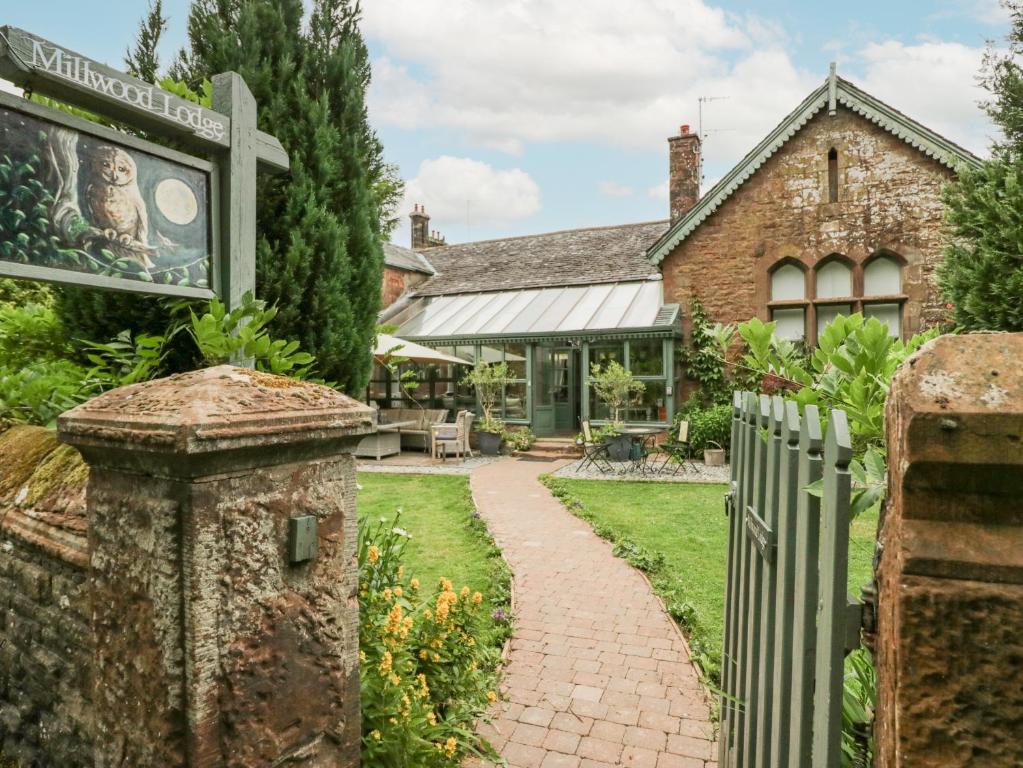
pixel 176 201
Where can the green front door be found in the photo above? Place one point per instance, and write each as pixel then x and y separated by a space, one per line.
pixel 554 390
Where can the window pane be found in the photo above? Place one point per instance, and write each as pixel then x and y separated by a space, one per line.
pixel 791 322
pixel 651 404
pixel 882 277
pixel 646 357
pixel 890 314
pixel 788 283
pixel 491 354
pixel 834 279
pixel 827 313
pixel 602 353
pixel 515 401
pixel 515 356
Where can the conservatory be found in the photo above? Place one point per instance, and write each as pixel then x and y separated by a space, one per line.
pixel 549 337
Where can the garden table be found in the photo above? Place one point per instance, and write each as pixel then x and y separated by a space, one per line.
pixel 386 441
pixel 643 438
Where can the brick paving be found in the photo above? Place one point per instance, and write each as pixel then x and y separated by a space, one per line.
pixel 598 675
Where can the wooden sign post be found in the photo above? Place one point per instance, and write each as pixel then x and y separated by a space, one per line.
pixel 86 205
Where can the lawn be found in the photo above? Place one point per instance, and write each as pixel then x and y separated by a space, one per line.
pixel 437 511
pixel 678 533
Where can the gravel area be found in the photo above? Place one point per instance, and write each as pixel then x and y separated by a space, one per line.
pixel 451 467
pixel 697 473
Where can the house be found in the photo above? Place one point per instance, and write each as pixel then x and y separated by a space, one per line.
pixel 837 210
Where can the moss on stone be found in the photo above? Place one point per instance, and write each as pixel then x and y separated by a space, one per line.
pixel 32 458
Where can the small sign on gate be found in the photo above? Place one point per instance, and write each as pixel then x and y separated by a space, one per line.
pixel 760 534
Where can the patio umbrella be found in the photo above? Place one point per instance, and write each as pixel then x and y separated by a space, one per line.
pixel 391 346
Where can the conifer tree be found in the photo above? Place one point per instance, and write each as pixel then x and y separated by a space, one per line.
pixel 319 256
pixel 143 61
pixel 982 274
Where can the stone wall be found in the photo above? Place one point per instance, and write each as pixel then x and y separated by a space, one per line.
pixel 949 646
pixel 398 281
pixel 45 641
pixel 889 199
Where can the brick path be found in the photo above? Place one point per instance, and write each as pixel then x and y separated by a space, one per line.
pixel 598 676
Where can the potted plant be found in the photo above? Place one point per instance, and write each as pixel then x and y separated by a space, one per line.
pixel 615 387
pixel 489 380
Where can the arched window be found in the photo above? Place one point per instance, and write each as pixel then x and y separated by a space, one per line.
pixel 882 276
pixel 834 280
pixel 788 301
pixel 833 175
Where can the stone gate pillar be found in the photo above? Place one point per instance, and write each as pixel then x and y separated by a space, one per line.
pixel 950 580
pixel 223 576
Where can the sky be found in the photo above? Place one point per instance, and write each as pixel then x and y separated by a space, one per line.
pixel 511 117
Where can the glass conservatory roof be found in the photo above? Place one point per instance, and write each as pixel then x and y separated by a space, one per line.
pixel 605 307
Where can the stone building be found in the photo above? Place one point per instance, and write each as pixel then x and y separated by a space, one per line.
pixel 837 210
pixel 404 269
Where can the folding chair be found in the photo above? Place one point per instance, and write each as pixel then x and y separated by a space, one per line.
pixel 594 453
pixel 677 447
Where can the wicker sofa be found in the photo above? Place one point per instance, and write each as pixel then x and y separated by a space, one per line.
pixel 417 436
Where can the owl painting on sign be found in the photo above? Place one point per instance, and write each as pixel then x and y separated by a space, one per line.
pixel 114 202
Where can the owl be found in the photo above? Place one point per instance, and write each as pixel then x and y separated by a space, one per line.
pixel 114 201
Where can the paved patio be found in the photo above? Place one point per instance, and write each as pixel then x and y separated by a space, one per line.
pixel 598 675
pixel 420 463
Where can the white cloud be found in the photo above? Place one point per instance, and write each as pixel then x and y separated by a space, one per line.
pixel 614 189
pixel 623 74
pixel 460 193
pixel 933 82
pixel 659 192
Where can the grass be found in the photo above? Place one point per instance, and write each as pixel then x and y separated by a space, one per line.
pixel 446 539
pixel 678 534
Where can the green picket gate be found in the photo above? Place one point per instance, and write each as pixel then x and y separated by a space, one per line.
pixel 788 620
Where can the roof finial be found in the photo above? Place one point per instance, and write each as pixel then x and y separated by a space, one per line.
pixel 832 90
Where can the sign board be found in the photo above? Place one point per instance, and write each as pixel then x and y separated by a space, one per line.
pixel 760 534
pixel 80 198
pixel 87 205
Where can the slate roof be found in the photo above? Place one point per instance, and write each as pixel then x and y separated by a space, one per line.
pixel 405 258
pixel 835 92
pixel 572 257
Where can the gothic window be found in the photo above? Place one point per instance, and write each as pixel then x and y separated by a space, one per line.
pixel 833 175
pixel 788 301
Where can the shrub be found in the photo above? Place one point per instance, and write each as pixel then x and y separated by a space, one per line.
pixel 520 439
pixel 615 387
pixel 707 426
pixel 489 381
pixel 428 664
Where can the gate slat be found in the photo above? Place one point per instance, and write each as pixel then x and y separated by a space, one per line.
pixel 745 561
pixel 834 574
pixel 788 492
pixel 769 564
pixel 756 586
pixel 804 601
pixel 728 660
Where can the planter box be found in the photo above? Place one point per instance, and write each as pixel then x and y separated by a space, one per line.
pixel 490 443
pixel 714 457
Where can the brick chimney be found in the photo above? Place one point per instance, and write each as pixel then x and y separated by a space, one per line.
pixel 420 227
pixel 683 172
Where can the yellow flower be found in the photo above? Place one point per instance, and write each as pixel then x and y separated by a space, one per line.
pixel 464 593
pixel 374 553
pixel 424 654
pixel 392 720
pixel 414 583
pixel 394 620
pixel 397 592
pixel 445 584
pixel 395 679
pixel 401 571
pixel 491 697
pixel 376 735
pixel 362 656
pixel 436 657
pixel 432 718
pixel 385 664
pixel 450 746
pixel 387 593
pixel 477 598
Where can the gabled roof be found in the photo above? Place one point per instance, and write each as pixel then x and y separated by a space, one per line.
pixel 572 257
pixel 407 259
pixel 834 92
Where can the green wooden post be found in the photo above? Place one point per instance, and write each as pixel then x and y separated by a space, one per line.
pixel 834 574
pixel 749 414
pixel 804 600
pixel 755 506
pixel 769 515
pixel 232 97
pixel 728 660
pixel 788 494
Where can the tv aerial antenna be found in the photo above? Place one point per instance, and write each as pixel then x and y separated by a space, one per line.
pixel 701 132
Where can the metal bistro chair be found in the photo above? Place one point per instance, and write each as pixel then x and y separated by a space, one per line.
pixel 677 447
pixel 594 453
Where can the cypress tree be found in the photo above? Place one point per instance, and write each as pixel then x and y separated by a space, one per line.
pixel 982 274
pixel 319 256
